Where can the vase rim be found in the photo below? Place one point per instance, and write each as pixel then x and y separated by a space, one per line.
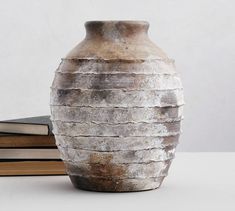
pixel 131 22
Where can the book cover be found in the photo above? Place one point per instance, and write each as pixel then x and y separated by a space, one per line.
pixel 35 167
pixel 25 141
pixel 40 125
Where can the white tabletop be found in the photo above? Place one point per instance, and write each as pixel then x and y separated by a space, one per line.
pixel 196 181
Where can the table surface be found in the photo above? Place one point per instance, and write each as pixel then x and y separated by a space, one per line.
pixel 196 181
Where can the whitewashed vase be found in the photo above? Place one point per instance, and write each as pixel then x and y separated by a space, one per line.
pixel 116 108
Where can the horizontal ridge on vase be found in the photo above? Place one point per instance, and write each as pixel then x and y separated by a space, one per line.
pixel 116 109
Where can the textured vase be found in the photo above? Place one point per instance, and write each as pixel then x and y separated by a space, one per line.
pixel 116 108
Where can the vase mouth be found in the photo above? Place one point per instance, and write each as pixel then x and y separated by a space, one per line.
pixel 116 28
pixel 127 22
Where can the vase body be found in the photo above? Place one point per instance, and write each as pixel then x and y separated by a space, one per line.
pixel 116 108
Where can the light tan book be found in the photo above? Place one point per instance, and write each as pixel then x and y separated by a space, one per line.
pixel 29 154
pixel 14 141
pixel 32 168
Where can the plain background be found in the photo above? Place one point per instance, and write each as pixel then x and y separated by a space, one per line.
pixel 198 34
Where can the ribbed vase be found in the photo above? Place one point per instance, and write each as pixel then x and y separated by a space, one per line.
pixel 116 108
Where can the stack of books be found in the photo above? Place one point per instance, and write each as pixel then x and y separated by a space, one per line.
pixel 27 147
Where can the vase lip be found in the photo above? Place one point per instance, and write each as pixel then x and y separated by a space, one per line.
pixel 128 22
pixel 116 30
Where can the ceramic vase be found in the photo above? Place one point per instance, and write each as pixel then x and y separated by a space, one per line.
pixel 116 109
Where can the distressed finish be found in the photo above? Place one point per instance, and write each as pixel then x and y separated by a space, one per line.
pixel 125 130
pixel 123 156
pixel 116 109
pixel 110 144
pixel 116 115
pixel 117 170
pixel 115 185
pixel 123 81
pixel 117 98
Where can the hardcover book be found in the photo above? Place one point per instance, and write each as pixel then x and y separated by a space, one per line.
pixel 35 167
pixel 21 140
pixel 40 125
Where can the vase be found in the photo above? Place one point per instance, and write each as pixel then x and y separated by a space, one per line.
pixel 116 109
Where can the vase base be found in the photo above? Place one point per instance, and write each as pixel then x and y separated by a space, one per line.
pixel 115 185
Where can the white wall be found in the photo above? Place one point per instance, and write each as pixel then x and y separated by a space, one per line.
pixel 198 34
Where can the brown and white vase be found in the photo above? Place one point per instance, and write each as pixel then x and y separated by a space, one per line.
pixel 116 108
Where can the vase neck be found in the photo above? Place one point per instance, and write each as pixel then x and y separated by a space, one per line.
pixel 116 30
